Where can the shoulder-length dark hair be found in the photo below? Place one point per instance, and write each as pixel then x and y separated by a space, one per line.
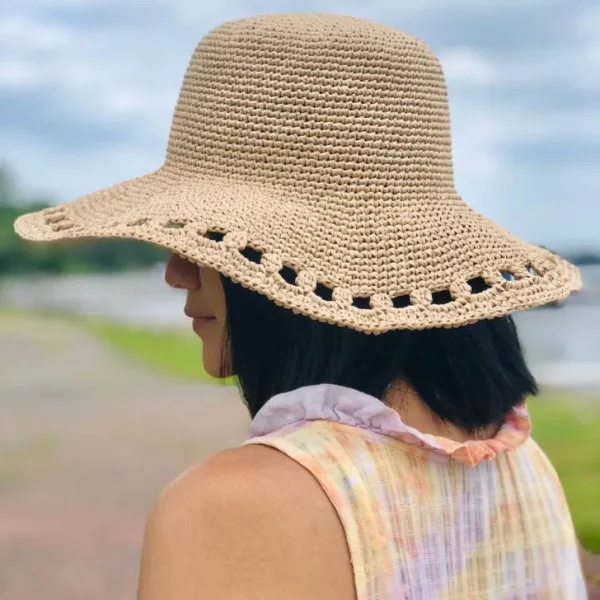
pixel 469 376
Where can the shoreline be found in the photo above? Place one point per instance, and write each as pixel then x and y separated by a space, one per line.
pixel 175 352
pixel 557 372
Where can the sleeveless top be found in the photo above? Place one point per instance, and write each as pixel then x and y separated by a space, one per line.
pixel 427 518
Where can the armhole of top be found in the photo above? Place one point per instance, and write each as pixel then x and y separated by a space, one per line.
pixel 300 458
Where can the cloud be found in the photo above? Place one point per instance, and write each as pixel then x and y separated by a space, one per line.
pixel 465 65
pixel 82 72
pixel 587 22
pixel 66 173
pixel 24 43
pixel 23 32
pixel 16 73
pixel 580 124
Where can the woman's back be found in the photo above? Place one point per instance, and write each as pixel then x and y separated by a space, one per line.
pixel 429 518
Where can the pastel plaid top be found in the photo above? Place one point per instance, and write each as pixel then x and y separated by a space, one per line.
pixel 425 517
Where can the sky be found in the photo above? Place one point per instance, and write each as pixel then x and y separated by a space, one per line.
pixel 88 88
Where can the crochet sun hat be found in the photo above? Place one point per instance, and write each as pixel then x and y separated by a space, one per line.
pixel 310 160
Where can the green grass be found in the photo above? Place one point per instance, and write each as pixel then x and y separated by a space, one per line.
pixel 569 432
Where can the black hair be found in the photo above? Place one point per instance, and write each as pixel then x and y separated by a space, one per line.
pixel 469 376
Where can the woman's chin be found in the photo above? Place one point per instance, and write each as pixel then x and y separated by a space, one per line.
pixel 212 371
pixel 213 365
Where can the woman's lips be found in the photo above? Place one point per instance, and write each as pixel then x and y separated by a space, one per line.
pixel 200 323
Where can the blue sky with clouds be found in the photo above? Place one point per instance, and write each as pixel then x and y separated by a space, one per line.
pixel 88 87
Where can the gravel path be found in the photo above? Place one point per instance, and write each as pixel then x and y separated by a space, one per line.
pixel 87 441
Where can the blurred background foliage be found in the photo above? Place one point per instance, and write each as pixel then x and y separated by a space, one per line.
pixel 19 257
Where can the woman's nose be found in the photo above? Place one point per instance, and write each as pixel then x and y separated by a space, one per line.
pixel 182 274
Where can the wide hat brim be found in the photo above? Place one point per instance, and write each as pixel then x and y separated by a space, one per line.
pixel 406 275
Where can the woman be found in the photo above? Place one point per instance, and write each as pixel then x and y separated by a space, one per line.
pixel 308 199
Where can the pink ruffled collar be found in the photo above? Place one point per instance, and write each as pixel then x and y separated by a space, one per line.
pixel 338 404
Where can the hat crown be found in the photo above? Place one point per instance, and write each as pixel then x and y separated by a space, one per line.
pixel 318 104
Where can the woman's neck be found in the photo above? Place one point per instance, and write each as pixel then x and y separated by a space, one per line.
pixel 415 413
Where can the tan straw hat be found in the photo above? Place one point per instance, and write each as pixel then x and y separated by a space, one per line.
pixel 310 160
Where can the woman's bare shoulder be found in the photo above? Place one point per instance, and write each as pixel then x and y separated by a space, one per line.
pixel 246 523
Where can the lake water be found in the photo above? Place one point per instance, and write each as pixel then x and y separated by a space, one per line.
pixel 562 344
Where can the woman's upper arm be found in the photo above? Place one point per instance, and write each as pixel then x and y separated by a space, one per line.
pixel 247 524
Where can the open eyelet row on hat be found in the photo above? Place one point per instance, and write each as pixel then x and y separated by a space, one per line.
pixel 56 219
pixel 305 280
pixel 294 278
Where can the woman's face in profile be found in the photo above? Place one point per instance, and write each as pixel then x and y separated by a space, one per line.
pixel 205 305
